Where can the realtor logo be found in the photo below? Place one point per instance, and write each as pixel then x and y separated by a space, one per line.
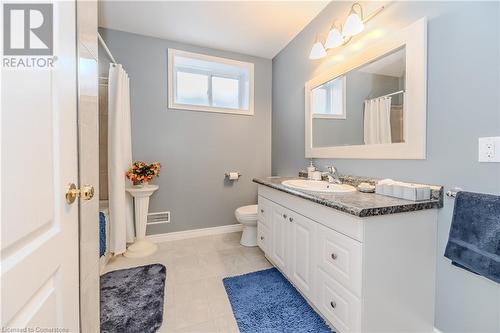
pixel 28 29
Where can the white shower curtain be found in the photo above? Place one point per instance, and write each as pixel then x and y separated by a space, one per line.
pixel 119 160
pixel 377 121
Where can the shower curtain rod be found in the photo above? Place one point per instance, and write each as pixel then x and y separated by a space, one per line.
pixel 106 48
pixel 391 94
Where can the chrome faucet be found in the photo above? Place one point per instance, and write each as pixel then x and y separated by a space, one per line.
pixel 333 176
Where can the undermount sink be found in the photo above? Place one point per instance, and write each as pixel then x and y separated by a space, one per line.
pixel 318 186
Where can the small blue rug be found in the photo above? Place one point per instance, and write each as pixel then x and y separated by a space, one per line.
pixel 132 299
pixel 265 301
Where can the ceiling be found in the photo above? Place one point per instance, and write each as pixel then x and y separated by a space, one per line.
pixel 391 65
pixel 259 28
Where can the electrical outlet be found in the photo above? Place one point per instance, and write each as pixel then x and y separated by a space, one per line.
pixel 489 149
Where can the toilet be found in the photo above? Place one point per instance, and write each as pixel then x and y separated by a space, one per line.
pixel 247 215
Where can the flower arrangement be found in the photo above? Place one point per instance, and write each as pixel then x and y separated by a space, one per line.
pixel 141 172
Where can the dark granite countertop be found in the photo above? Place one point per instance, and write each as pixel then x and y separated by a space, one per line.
pixel 358 203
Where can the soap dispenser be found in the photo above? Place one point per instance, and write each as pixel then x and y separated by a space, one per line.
pixel 310 169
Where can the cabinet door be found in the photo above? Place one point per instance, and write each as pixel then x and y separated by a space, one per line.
pixel 264 213
pixel 341 257
pixel 279 237
pixel 263 238
pixel 338 305
pixel 302 254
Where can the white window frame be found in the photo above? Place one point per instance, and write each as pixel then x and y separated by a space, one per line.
pixel 205 108
pixel 341 116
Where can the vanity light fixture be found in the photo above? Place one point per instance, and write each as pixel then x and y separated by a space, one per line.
pixel 341 35
pixel 318 51
pixel 334 38
pixel 354 23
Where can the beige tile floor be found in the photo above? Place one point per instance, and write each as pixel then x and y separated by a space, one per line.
pixel 195 298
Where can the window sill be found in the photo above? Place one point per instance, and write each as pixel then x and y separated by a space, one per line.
pixel 202 108
pixel 329 116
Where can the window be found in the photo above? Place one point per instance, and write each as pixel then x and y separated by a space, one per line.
pixel 328 100
pixel 200 82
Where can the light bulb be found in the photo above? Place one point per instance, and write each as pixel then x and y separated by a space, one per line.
pixel 318 51
pixel 334 38
pixel 353 24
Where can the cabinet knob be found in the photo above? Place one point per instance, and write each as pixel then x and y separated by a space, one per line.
pixel 262 211
pixel 334 256
pixel 333 304
pixel 291 219
pixel 261 237
pixel 284 216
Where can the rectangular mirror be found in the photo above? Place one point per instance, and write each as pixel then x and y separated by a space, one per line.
pixel 373 97
pixel 372 106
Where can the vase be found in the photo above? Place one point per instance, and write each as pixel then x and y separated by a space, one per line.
pixel 138 184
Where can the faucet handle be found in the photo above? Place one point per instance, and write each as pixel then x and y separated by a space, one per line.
pixel 331 169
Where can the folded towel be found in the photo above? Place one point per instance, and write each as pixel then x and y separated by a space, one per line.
pixel 474 240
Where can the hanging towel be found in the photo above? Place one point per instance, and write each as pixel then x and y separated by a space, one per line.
pixel 474 240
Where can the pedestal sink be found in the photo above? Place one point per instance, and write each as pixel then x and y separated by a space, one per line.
pixel 318 186
pixel 141 247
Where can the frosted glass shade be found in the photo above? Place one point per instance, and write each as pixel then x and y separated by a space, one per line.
pixel 353 25
pixel 334 39
pixel 318 51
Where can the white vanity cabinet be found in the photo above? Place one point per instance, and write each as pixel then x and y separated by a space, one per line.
pixel 372 274
pixel 290 243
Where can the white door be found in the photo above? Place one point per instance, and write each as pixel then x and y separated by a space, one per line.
pixel 280 237
pixel 39 230
pixel 302 253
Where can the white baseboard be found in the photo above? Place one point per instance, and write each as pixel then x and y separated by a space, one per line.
pixel 437 331
pixel 178 235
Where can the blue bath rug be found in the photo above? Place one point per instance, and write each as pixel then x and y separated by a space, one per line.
pixel 132 299
pixel 265 301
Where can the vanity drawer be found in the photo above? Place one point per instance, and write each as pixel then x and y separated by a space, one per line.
pixel 263 237
pixel 338 305
pixel 264 212
pixel 341 257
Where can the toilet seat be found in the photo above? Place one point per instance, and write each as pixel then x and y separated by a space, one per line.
pixel 246 213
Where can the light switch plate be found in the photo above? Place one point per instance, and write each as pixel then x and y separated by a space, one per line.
pixel 489 149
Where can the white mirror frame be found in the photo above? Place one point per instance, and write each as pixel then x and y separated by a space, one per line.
pixel 414 38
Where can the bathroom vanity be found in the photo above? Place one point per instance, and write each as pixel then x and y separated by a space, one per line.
pixel 366 262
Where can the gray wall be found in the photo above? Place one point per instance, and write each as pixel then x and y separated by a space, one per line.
pixel 463 104
pixel 194 148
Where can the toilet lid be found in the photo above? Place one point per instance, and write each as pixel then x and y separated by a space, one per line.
pixel 247 212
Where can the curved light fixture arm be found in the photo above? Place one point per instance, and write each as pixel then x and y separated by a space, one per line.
pixel 346 40
pixel 360 13
pixel 336 24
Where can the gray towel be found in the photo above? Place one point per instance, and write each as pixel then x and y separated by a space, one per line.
pixel 474 241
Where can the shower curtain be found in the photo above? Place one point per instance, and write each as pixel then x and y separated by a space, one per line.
pixel 377 122
pixel 119 160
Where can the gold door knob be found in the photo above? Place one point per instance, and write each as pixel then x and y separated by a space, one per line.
pixel 86 193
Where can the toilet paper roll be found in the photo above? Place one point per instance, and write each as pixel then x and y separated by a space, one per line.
pixel 234 176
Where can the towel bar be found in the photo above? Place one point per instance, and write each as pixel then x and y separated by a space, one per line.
pixel 453 192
